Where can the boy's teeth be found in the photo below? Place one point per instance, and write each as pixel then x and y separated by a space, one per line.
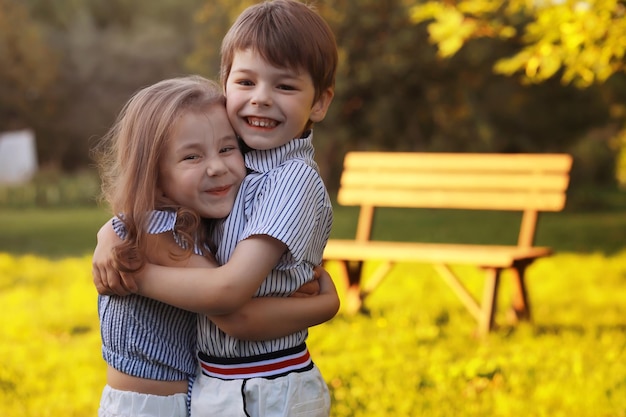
pixel 262 122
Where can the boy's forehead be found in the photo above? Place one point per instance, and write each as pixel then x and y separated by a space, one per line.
pixel 253 56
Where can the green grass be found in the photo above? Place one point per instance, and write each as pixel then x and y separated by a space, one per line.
pixel 52 232
pixel 58 232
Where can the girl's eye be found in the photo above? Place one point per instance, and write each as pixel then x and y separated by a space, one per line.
pixel 190 157
pixel 245 83
pixel 228 149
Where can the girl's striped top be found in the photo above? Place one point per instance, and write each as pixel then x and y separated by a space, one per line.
pixel 143 337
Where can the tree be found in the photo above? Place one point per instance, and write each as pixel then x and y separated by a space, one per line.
pixel 583 41
pixel 579 42
pixel 212 21
pixel 28 67
pixel 392 93
pixel 67 67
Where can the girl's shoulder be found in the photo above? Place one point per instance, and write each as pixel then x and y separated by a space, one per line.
pixel 159 221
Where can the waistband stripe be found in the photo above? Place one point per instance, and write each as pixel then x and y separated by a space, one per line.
pixel 261 368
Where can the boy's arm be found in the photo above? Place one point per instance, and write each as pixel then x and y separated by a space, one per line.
pixel 261 318
pixel 267 318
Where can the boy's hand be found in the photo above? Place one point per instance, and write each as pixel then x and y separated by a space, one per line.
pixel 106 277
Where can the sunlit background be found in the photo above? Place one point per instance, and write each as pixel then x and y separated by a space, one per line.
pixel 445 76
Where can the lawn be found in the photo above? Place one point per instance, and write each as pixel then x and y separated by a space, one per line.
pixel 57 232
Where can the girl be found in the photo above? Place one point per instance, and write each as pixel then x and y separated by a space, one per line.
pixel 171 163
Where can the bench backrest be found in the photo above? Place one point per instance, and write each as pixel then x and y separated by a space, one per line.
pixel 519 182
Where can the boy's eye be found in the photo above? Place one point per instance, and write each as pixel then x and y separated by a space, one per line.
pixel 286 87
pixel 190 157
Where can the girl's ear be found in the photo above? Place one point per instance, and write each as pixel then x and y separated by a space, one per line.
pixel 320 107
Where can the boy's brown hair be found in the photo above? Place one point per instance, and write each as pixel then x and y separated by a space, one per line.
pixel 287 34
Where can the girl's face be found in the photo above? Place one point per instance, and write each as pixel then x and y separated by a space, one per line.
pixel 202 166
pixel 269 106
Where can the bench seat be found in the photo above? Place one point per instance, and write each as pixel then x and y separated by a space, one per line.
pixel 482 255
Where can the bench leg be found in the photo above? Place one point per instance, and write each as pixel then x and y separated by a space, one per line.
pixel 489 302
pixel 376 279
pixel 351 275
pixel 521 306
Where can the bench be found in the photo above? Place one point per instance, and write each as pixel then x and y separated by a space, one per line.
pixel 528 183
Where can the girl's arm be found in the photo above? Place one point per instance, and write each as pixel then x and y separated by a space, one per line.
pixel 213 291
pixel 261 318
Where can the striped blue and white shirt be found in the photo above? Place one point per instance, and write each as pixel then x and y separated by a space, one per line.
pixel 144 337
pixel 284 197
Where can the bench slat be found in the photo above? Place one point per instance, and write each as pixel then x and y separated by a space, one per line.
pixel 485 255
pixel 452 199
pixel 458 161
pixel 375 180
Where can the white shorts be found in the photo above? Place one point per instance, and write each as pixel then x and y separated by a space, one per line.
pixel 297 394
pixel 116 403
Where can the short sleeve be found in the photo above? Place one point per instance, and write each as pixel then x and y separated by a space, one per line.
pixel 159 221
pixel 291 206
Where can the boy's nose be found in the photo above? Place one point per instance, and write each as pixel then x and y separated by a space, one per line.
pixel 261 97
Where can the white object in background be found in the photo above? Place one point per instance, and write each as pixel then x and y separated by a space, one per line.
pixel 18 156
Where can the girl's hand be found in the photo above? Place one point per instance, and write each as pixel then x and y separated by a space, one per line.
pixel 311 288
pixel 106 277
pixel 327 285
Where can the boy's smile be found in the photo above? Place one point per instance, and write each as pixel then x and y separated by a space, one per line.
pixel 268 105
pixel 258 122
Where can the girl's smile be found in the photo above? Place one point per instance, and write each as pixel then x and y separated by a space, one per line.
pixel 202 167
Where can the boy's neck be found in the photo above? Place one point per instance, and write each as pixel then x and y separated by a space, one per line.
pixel 304 134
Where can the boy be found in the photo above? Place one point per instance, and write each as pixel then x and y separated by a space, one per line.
pixel 278 67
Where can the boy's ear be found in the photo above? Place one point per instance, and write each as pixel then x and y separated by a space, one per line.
pixel 320 107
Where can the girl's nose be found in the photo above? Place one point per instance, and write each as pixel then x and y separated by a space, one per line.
pixel 215 167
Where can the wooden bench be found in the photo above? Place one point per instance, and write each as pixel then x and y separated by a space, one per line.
pixel 529 183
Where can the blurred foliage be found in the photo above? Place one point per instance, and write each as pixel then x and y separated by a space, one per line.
pixel 53 188
pixel 28 68
pixel 105 51
pixel 582 43
pixel 84 58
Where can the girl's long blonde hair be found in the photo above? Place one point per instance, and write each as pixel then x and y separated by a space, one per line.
pixel 128 159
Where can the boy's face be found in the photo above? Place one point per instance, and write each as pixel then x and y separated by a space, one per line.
pixel 267 105
pixel 202 166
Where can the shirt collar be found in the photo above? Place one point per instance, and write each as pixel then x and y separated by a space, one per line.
pixel 266 160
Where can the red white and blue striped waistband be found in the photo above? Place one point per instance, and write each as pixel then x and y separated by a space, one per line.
pixel 268 365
